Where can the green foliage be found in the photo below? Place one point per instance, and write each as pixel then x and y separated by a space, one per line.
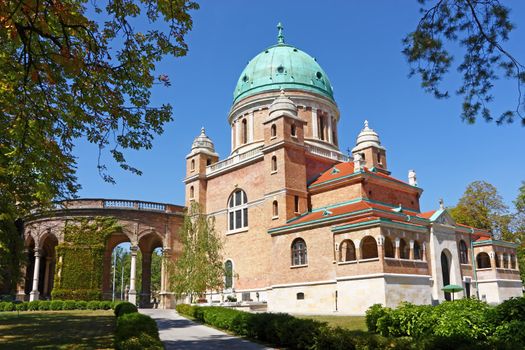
pixel 44 305
pixel 512 309
pixel 81 305
pixel 200 265
pixel 70 305
pixel 141 341
pixel 8 306
pixel 335 339
pixel 106 305
pixel 77 69
pixel 56 305
pixel 373 314
pixel 135 325
pixel 481 206
pixel 34 305
pixel 510 335
pixel 480 28
pixel 93 305
pixel 82 253
pixel 12 255
pixel 125 308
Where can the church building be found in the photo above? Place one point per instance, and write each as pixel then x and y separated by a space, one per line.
pixel 307 229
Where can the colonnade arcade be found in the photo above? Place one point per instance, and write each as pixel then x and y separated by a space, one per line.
pixel 147 227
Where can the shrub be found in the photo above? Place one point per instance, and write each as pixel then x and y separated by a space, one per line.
pixel 56 305
pixel 131 324
pixel 77 294
pixel 512 309
pixel 69 305
pixel 93 305
pixel 21 307
pixel 81 305
pixel 140 341
pixel 510 335
pixel 373 314
pixel 8 306
pixel 125 308
pixel 106 305
pixel 334 339
pixel 185 309
pixel 44 305
pixel 33 305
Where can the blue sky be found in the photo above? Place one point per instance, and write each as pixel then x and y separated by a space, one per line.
pixel 358 44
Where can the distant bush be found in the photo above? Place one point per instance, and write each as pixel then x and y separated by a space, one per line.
pixel 21 307
pixel 56 305
pixel 93 305
pixel 125 308
pixel 33 305
pixel 106 305
pixel 70 305
pixel 78 294
pixel 8 306
pixel 81 305
pixel 44 305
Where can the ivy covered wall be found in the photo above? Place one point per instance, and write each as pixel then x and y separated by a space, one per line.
pixel 80 258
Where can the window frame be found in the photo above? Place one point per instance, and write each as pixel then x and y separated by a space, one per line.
pixel 237 211
pixel 299 254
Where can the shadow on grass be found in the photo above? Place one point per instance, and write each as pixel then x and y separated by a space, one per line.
pixel 57 330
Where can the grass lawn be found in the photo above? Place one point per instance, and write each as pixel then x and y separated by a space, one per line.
pixel 354 323
pixel 79 329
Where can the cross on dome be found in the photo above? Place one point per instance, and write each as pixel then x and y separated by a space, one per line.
pixel 280 35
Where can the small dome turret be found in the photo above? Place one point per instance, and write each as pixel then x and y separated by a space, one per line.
pixel 202 143
pixel 367 138
pixel 284 105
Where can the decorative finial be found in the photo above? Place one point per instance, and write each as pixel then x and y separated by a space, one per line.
pixel 202 130
pixel 280 36
pixel 366 124
pixel 282 92
pixel 441 204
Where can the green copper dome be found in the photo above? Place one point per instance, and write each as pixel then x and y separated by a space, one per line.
pixel 283 67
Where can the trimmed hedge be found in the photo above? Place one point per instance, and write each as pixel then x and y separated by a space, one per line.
pixel 125 308
pixel 464 323
pixel 56 305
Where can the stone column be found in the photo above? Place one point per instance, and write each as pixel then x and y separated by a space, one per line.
pixel 46 275
pixel 132 295
pixel 34 295
pixel 165 295
pixel 237 133
pixel 250 127
pixel 411 252
pixel 233 136
pixel 424 251
pixel 145 294
pixel 315 127
pixel 396 249
pixel 329 138
pixel 492 257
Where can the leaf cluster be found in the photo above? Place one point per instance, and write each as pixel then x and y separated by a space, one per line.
pixel 479 27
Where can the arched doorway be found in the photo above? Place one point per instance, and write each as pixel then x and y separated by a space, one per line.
pixel 39 284
pixel 150 245
pixel 445 270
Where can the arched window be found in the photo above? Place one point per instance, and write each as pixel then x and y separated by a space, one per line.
pixel 274 163
pixel 483 261
pixel 417 251
pixel 275 209
pixel 273 131
pixel 463 252
pixel 404 249
pixel 389 248
pixel 513 262
pixel 294 130
pixel 299 255
pixel 496 258
pixel 505 261
pixel 296 204
pixel 192 192
pixel 208 161
pixel 238 210
pixel 244 130
pixel 368 248
pixel 320 127
pixel 228 274
pixel 192 166
pixel 347 251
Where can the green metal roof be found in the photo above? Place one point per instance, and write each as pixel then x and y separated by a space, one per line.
pixel 283 67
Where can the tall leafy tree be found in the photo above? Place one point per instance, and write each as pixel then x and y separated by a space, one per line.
pixel 519 228
pixel 480 28
pixel 74 69
pixel 481 206
pixel 199 268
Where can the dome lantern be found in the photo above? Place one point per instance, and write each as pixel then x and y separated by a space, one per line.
pixel 204 144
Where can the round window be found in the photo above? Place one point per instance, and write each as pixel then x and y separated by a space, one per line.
pixel 245 78
pixel 319 75
pixel 280 69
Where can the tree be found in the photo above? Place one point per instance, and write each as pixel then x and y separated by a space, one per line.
pixel 518 225
pixel 199 268
pixel 76 69
pixel 480 27
pixel 482 207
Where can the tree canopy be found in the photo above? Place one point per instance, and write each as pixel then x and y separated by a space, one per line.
pixel 480 27
pixel 79 69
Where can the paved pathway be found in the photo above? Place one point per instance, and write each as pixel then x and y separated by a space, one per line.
pixel 177 332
